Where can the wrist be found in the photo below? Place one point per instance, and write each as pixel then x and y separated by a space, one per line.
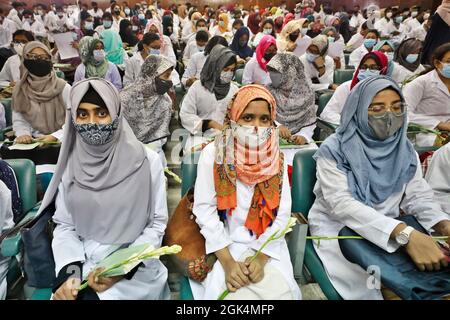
pixel 442 227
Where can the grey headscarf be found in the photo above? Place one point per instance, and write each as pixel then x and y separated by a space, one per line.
pixel 295 98
pixel 148 112
pixel 405 48
pixel 108 187
pixel 219 58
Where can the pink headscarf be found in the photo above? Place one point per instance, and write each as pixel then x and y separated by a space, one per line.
pixel 289 17
pixel 263 45
pixel 157 24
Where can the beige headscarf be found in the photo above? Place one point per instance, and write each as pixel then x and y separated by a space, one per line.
pixel 39 99
pixel 444 11
pixel 289 28
pixel 321 42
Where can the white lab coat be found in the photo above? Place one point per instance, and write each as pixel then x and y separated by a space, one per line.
pixel 98 13
pixel 7 28
pixel 333 109
pixel 411 24
pixel 6 222
pixel 150 280
pixel 254 74
pixel 311 72
pixel 400 73
pixel 101 28
pixel 133 69
pixel 355 42
pixel 22 127
pixel 37 28
pixel 200 104
pixel 418 33
pixel 384 27
pixel 428 99
pixel 357 55
pixel 194 67
pixel 189 51
pixel 112 75
pixel 10 71
pixel 357 21
pixel 234 235
pixel 335 208
pixel 438 177
pixel 228 35
pixel 13 15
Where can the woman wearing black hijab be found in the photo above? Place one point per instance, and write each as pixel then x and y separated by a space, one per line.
pixel 126 33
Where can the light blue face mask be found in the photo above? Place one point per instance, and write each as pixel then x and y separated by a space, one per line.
pixel 331 39
pixel 399 19
pixel 267 31
pixel 154 51
pixel 411 58
pixel 364 74
pixel 445 71
pixel 107 24
pixel 311 57
pixel 370 43
pixel 390 56
pixel 89 25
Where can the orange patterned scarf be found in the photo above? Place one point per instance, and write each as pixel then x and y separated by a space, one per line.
pixel 233 161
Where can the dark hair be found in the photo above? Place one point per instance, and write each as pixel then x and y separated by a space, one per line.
pixel 191 13
pixel 374 31
pixel 202 35
pixel 213 42
pixel 107 15
pixel 236 21
pixel 148 38
pixel 93 3
pixel 28 11
pixel 440 52
pixel 270 21
pixel 17 4
pixel 25 33
pixel 364 26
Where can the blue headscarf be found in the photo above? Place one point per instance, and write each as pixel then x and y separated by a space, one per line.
pixel 243 51
pixel 375 168
pixel 378 46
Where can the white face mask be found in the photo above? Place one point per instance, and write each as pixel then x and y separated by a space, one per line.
pixel 251 136
pixel 18 47
pixel 414 14
pixel 226 76
pixel 389 15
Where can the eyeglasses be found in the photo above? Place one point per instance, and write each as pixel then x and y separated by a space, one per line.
pixel 379 110
pixel 33 56
pixel 372 67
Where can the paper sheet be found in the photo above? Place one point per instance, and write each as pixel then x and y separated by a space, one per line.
pixel 20 146
pixel 63 42
pixel 302 46
pixel 336 49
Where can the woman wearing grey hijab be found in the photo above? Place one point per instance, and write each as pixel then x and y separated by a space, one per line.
pixel 109 193
pixel 205 104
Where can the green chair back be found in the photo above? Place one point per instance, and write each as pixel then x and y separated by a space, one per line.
pixel 347 58
pixel 25 171
pixel 238 75
pixel 323 101
pixel 341 76
pixel 189 171
pixel 8 111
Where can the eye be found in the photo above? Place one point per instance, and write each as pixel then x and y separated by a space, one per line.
pixel 265 119
pixel 81 114
pixel 247 118
pixel 102 113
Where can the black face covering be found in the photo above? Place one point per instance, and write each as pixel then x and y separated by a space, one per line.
pixel 268 56
pixel 162 86
pixel 293 36
pixel 38 67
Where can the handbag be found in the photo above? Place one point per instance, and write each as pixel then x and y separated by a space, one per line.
pixel 38 262
pixel 192 261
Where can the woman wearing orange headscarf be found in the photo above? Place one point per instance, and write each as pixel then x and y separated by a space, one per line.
pixel 223 27
pixel 242 196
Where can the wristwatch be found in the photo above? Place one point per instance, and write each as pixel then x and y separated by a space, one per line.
pixel 403 237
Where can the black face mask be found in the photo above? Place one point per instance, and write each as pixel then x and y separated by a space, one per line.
pixel 268 56
pixel 294 37
pixel 39 68
pixel 162 86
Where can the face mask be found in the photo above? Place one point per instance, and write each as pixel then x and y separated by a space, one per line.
pixel 117 11
pixel 370 43
pixel 97 134
pixel 251 136
pixel 18 48
pixel 389 15
pixel 399 20
pixel 202 28
pixel 293 37
pixel 311 57
pixel 411 58
pixel 331 39
pixel 162 86
pixel 154 51
pixel 445 71
pixel 304 31
pixel 127 11
pixel 40 12
pixel 99 55
pixel 426 16
pixel 390 56
pixel 226 76
pixel 275 77
pixel 20 11
pixel 268 56
pixel 89 25
pixel 107 24
pixel 74 36
pixel 364 74
pixel 267 31
pixel 256 11
pixel 414 14
pixel 200 48
pixel 134 28
pixel 39 68
pixel 222 24
pixel 60 14
pixel 29 21
pixel 387 125
pixel 141 16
